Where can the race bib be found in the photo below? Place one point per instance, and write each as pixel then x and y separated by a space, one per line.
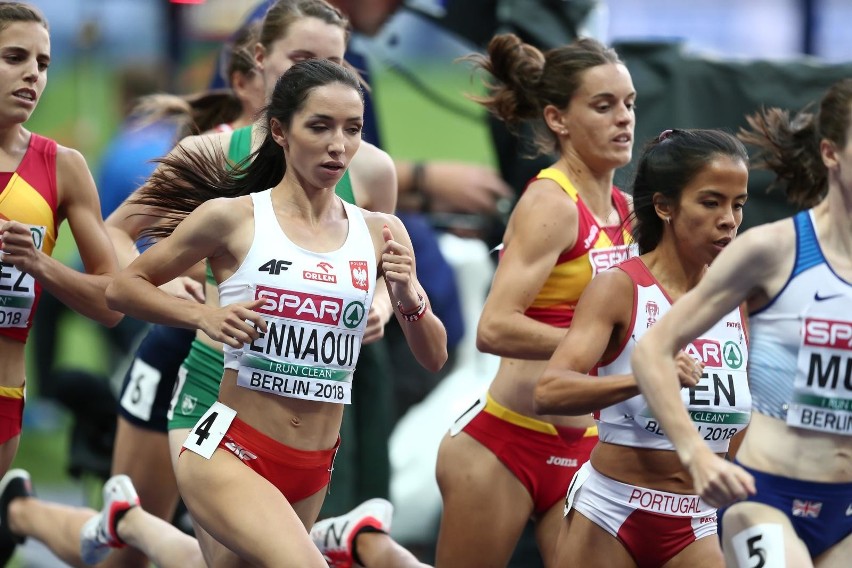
pixel 306 382
pixel 138 397
pixel 205 436
pixel 17 289
pixel 719 406
pixel 822 389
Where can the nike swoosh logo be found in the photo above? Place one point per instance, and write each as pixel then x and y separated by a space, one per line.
pixel 849 511
pixel 819 298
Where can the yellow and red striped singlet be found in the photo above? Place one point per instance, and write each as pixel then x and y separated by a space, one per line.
pixel 29 197
pixel 596 249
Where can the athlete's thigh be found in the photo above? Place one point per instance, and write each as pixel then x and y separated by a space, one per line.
pixel 176 439
pixel 547 530
pixel 582 543
pixel 8 449
pixel 838 556
pixel 308 509
pixel 703 553
pixel 485 506
pixel 244 512
pixel 750 535
pixel 214 552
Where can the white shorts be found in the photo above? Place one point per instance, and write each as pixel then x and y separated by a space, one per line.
pixel 654 526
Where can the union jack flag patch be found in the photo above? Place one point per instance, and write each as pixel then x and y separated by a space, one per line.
pixel 806 508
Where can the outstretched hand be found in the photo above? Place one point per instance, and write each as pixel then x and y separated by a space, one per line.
pixel 397 263
pixel 235 324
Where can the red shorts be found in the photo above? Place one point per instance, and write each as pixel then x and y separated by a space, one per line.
pixel 544 462
pixel 11 412
pixel 297 474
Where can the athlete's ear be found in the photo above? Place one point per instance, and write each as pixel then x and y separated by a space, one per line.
pixel 259 55
pixel 828 150
pixel 276 130
pixel 663 207
pixel 555 119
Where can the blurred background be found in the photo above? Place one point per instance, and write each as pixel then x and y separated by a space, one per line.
pixel 702 63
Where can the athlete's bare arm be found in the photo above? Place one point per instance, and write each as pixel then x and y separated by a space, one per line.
pixel 543 225
pixel 217 230
pixel 375 186
pixel 597 330
pixel 738 274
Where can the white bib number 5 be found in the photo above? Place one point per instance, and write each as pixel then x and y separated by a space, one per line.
pixel 205 436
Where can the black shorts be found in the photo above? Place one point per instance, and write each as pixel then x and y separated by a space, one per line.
pixel 147 388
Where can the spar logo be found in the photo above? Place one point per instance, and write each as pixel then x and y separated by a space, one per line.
pixel 603 258
pixel 359 274
pixel 828 333
pixel 290 304
pixel 712 354
pixel 707 351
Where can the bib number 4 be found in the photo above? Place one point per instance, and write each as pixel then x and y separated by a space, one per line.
pixel 205 436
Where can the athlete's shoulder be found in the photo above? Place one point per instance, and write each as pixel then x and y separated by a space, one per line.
pixel 618 279
pixel 70 162
pixel 373 175
pixel 548 195
pixel 371 158
pixel 768 241
pixel 379 219
pixel 225 212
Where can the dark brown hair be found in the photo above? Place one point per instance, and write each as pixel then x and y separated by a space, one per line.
pixel 186 179
pixel 525 80
pixel 789 147
pixel 282 15
pixel 11 12
pixel 667 164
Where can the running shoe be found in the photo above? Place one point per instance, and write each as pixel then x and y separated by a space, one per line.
pixel 335 537
pixel 16 483
pixel 100 533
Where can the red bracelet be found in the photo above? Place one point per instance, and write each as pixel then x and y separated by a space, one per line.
pixel 416 314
